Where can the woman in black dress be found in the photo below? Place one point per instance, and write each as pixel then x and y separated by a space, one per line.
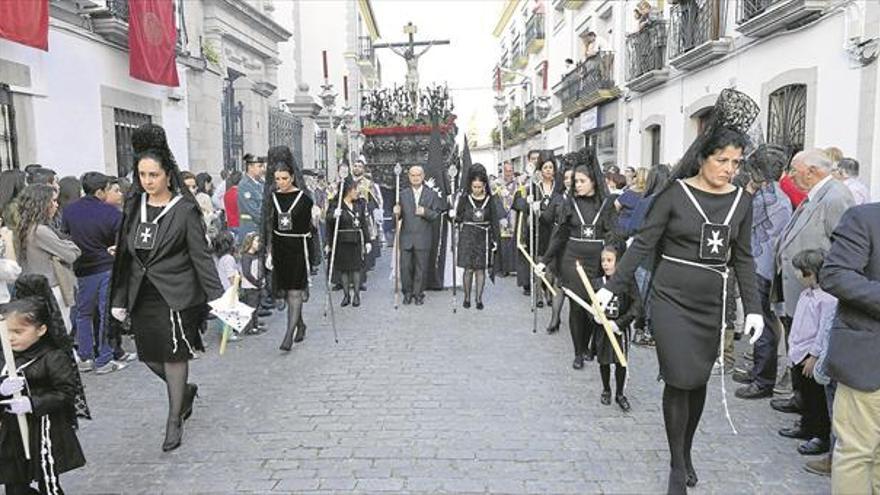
pixel 353 244
pixel 288 221
pixel 586 222
pixel 479 234
pixel 163 274
pixel 551 215
pixel 700 225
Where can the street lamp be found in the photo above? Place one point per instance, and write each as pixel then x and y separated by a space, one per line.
pixel 501 110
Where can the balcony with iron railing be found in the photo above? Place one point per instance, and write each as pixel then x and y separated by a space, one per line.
pixel 697 33
pixel 518 55
pixel 535 33
pixel 530 115
pixel 366 56
pixel 758 18
pixel 590 82
pixel 112 22
pixel 646 56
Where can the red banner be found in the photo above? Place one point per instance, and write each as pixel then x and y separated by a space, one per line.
pixel 25 22
pixel 152 41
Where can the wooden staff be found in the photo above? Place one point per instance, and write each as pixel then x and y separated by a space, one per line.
pixel 397 170
pixel 11 372
pixel 601 314
pixel 532 263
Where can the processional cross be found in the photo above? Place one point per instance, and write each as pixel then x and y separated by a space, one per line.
pixel 407 50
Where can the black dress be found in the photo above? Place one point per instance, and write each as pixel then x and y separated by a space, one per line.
pixel 354 233
pixel 686 300
pixel 552 215
pixel 622 309
pixel 54 448
pixel 546 222
pixel 291 240
pixel 479 231
pixel 162 334
pixel 584 225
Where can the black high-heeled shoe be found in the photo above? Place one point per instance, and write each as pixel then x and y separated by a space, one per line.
pixel 346 300
pixel 287 343
pixel 466 304
pixel 173 434
pixel 192 391
pixel 540 303
pixel 692 479
pixel 356 300
pixel 300 333
pixel 553 328
pixel 480 305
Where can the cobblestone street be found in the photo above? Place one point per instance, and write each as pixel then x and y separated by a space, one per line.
pixel 420 400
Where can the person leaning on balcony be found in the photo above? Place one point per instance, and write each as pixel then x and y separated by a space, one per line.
pixel 593 44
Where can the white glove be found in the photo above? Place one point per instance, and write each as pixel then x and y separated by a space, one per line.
pixel 754 326
pixel 603 297
pixel 452 214
pixel 11 385
pixel 503 223
pixel 368 247
pixel 119 313
pixel 540 269
pixel 377 216
pixel 536 206
pixel 22 405
pixel 337 212
pixel 615 327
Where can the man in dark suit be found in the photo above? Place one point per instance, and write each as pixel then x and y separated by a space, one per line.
pixel 851 273
pixel 419 207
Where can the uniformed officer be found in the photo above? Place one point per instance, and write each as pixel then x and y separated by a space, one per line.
pixel 250 195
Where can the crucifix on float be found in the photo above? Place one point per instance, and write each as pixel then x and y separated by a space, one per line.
pixel 407 50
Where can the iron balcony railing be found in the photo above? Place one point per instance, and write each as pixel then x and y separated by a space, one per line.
pixel 646 49
pixel 118 9
pixel 530 117
pixel 694 23
pixel 588 76
pixel 535 28
pixel 365 48
pixel 748 9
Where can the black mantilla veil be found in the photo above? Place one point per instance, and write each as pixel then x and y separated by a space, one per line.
pixel 732 121
pixel 36 287
pixel 586 159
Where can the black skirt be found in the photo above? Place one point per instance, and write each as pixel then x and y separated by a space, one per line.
pixel 349 252
pixel 686 315
pixel 473 246
pixel 602 348
pixel 161 334
pixel 289 263
pixel 589 254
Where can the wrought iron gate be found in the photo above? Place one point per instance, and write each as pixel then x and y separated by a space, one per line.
pixel 321 161
pixel 124 124
pixel 233 128
pixel 8 138
pixel 787 117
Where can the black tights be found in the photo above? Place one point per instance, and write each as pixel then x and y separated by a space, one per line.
pixel 579 322
pixel 295 300
pixel 175 376
pixel 469 276
pixel 681 413
pixel 619 378
pixel 351 279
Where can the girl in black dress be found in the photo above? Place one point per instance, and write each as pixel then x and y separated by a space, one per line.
pixel 352 244
pixel 288 222
pixel 621 312
pixel 700 225
pixel 163 274
pixel 50 388
pixel 477 214
pixel 587 221
pixel 552 214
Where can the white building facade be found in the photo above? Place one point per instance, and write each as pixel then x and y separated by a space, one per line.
pixel 74 107
pixel 644 92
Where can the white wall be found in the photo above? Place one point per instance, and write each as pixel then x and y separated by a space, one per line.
pixel 66 82
pixel 832 121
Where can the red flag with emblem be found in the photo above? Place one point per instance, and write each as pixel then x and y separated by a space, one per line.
pixel 26 22
pixel 152 41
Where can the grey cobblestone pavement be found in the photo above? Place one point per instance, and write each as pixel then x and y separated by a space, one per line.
pixel 418 401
